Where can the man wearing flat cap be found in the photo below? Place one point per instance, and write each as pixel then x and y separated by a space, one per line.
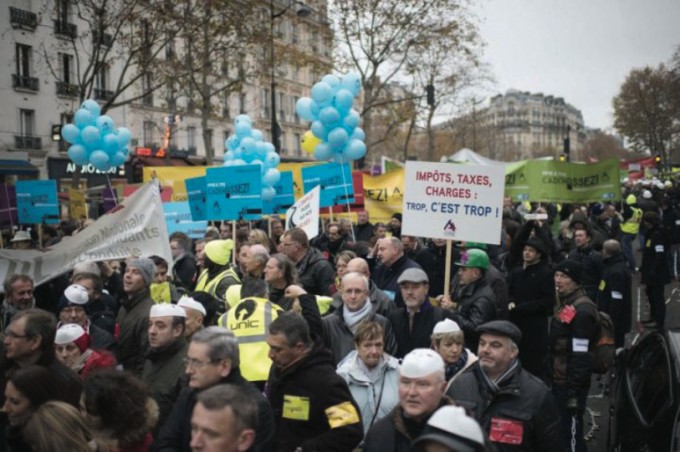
pixel 421 393
pixel 573 332
pixel 515 409
pixel 133 316
pixel 413 323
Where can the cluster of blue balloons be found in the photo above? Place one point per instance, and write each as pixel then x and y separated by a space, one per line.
pixel 334 122
pixel 94 139
pixel 247 146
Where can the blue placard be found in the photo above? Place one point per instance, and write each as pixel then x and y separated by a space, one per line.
pixel 178 219
pixel 234 192
pixel 335 181
pixel 37 201
pixel 197 198
pixel 285 195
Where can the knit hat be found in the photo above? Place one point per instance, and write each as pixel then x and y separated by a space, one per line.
pixel 72 333
pixel 630 200
pixel 188 302
pixel 421 362
pixel 597 209
pixel 167 310
pixel 146 267
pixel 446 326
pixel 219 251
pixel 451 427
pixel 570 268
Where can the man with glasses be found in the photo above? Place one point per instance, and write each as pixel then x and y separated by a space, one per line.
pixel 212 359
pixel 340 326
pixel 315 273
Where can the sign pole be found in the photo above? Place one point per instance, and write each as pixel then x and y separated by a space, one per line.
pixel 447 268
pixel 40 238
pixel 233 237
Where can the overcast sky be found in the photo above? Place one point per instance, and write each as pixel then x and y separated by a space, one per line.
pixel 580 50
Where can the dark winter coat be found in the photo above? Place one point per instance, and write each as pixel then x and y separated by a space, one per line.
pixel 133 319
pixel 571 364
pixel 532 289
pixel 340 339
pixel 315 273
pixel 381 304
pixel 522 399
pixel 184 272
pixel 671 225
pixel 654 269
pixel 433 260
pixel 423 323
pixel 385 277
pixel 305 398
pixel 476 305
pixel 615 295
pixel 175 434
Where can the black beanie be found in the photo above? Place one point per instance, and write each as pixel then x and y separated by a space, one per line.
pixel 572 269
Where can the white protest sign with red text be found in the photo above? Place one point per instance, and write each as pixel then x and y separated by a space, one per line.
pixel 453 202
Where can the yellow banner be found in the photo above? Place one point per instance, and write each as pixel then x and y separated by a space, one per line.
pixel 77 207
pixel 384 195
pixel 168 175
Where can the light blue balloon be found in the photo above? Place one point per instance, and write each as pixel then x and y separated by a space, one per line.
pixel 268 193
pixel 322 93
pixel 323 151
pixel 244 119
pixel 358 134
pixel 238 155
pixel 78 154
pixel 104 124
pixel 351 120
pixel 232 143
pixel 257 135
pixel 319 130
pixel 303 108
pixel 243 129
pixel 90 136
pixel 70 133
pixel 124 150
pixel 256 161
pixel 272 160
pixel 228 156
pixel 247 145
pixel 271 177
pixel 93 107
pixel 352 83
pixel 337 138
pixel 270 148
pixel 118 159
pixel 100 160
pixel 355 149
pixel 341 158
pixel 83 118
pixel 332 80
pixel 329 115
pixel 124 136
pixel 110 144
pixel 239 162
pixel 343 101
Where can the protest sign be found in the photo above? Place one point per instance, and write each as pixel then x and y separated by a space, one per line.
pixel 234 192
pixel 305 213
pixel 178 219
pixel 77 207
pixel 110 199
pixel 335 181
pixel 37 201
pixel 134 228
pixel 197 198
pixel 384 195
pixel 449 201
pixel 8 206
pixel 284 198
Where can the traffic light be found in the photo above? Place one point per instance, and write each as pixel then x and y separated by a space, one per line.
pixel 429 89
pixel 567 146
pixel 657 160
pixel 56 132
pixel 563 158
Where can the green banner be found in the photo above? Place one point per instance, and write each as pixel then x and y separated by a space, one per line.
pixel 550 181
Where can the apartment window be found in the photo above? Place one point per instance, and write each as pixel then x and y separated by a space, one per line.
pixel 225 105
pixel 27 122
pixel 295 72
pixel 101 80
pixel 24 60
pixel 295 33
pixel 191 137
pixel 147 88
pixel 66 68
pixel 209 140
pixel 295 115
pixel 298 145
pixel 170 48
pixel 242 103
pixel 281 105
pixel 148 133
pixel 266 102
pixel 63 10
pixel 284 141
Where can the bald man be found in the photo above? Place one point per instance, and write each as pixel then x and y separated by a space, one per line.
pixel 380 302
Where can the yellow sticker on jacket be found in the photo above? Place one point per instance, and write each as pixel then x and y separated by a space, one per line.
pixel 602 285
pixel 296 408
pixel 341 415
pixel 648 243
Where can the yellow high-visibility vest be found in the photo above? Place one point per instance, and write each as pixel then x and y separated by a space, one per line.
pixel 203 285
pixel 632 225
pixel 249 320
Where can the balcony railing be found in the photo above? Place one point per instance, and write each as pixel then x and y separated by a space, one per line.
pixel 20 18
pixel 26 142
pixel 102 94
pixel 67 89
pixel 102 39
pixel 65 29
pixel 24 82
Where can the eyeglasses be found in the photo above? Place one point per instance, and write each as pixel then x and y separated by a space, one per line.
pixel 12 335
pixel 196 364
pixel 288 244
pixel 354 291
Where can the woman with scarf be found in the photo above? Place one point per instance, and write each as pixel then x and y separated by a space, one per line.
pixel 72 348
pixel 448 340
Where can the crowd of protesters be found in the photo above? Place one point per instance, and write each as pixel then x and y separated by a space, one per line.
pixel 258 338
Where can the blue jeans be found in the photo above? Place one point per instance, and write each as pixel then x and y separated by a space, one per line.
pixel 627 247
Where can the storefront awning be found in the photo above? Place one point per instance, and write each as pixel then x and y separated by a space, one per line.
pixel 16 167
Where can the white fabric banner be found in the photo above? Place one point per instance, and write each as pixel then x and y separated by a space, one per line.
pixel 136 227
pixel 305 213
